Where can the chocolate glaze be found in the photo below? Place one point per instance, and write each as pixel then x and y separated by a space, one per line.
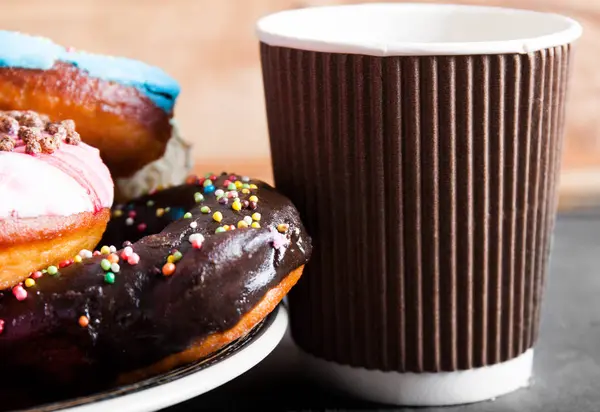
pixel 145 316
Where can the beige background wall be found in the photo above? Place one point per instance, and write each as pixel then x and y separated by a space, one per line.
pixel 209 46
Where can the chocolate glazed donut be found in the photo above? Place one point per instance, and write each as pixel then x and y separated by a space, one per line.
pixel 200 266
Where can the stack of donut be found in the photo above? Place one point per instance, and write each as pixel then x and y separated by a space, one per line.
pixel 94 293
pixel 122 107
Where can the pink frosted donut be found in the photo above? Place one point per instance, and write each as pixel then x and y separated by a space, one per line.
pixel 55 195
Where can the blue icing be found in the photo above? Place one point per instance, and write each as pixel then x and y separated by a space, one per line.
pixel 29 52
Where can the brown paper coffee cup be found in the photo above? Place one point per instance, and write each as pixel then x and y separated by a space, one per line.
pixel 424 162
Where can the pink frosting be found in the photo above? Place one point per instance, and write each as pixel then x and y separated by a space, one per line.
pixel 71 180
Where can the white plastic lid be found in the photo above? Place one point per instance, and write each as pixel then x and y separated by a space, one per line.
pixel 406 29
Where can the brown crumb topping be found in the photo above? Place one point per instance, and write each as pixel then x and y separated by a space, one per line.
pixel 57 130
pixel 7 144
pixel 29 133
pixel 33 147
pixel 8 125
pixel 49 144
pixel 36 131
pixel 73 138
pixel 31 119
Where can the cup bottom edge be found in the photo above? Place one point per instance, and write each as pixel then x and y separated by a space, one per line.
pixel 424 389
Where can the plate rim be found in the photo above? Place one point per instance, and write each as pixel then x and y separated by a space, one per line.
pixel 192 384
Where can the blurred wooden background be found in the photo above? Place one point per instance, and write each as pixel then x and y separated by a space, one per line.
pixel 210 48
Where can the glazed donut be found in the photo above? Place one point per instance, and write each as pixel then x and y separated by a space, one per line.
pixel 203 269
pixel 121 106
pixel 55 195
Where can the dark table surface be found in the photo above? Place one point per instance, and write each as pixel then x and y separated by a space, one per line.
pixel 567 358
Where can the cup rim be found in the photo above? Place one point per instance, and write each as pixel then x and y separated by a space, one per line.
pixel 270 31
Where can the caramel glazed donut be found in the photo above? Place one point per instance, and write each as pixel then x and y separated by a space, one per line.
pixel 201 264
pixel 121 106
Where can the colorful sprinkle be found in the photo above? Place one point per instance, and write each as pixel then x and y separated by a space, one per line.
pixel 1 326
pixel 36 275
pixel 231 186
pixel 242 224
pixel 194 225
pixel 115 267
pixel 209 189
pixel 105 250
pixel 127 252
pixel 96 253
pixel 198 197
pixel 52 270
pixel 245 179
pixel 77 259
pixel 129 221
pixel 112 249
pixel 150 203
pixel 142 226
pixel 282 227
pixel 245 191
pixel 236 206
pixel 177 255
pixel 113 258
pixel 223 200
pixel 255 225
pixel 132 213
pixel 195 236
pixel 226 183
pixel 117 213
pixel 187 215
pixel 207 183
pixel 238 184
pixel 232 194
pixel 205 209
pixel 253 186
pixel 191 179
pixel 253 198
pixel 109 277
pixel 134 259
pixel 84 321
pixel 252 205
pixel 219 192
pixel 168 269
pixel 86 254
pixel 19 292
pixel 105 264
pixel 233 178
pixel 220 229
pixel 196 240
pixel 245 186
pixel 212 176
pixel 248 220
pixel 160 212
pixel 256 216
pixel 65 263
pixel 170 259
pixel 29 282
pixel 217 216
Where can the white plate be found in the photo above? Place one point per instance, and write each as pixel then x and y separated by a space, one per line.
pixel 187 382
